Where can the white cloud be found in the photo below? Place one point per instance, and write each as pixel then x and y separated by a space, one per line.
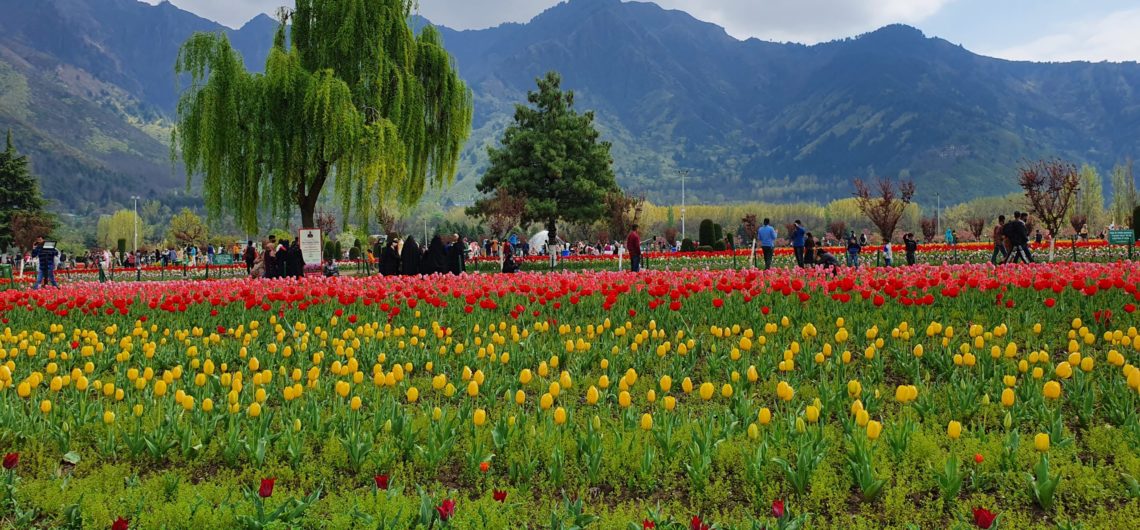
pixel 1110 38
pixel 806 21
pixel 232 13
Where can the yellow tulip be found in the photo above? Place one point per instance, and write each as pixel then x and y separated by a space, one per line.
pixel 108 417
pixel 1052 390
pixel 546 401
pixel 726 390
pixel 624 399
pixel 874 428
pixel 862 418
pixel 412 394
pixel 812 413
pixel 45 406
pixel 646 422
pixel 1007 397
pixel 765 416
pixel 670 402
pixel 480 417
pixel 1041 442
pixel 707 390
pixel 954 430
pixel 520 397
pixel 591 395
pixel 559 415
pixel 254 409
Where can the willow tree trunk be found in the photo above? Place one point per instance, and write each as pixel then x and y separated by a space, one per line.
pixel 307 199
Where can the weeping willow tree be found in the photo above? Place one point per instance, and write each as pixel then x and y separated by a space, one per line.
pixel 349 93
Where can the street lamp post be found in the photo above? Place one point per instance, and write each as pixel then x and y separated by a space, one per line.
pixel 938 214
pixel 684 173
pixel 138 262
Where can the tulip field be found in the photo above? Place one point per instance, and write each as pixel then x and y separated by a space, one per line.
pixel 933 396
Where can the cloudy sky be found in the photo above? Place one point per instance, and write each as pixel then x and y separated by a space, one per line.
pixel 1041 30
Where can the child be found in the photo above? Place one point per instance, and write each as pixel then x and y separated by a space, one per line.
pixel 887 254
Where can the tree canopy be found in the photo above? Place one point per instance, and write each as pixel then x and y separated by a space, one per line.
pixel 19 197
pixel 886 207
pixel 551 157
pixel 186 229
pixel 121 225
pixel 349 91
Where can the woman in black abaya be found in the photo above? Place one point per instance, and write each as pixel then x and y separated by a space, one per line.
pixel 410 258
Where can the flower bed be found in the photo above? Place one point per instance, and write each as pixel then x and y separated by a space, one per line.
pixel 933 396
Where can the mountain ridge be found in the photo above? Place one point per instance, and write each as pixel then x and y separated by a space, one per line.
pixel 751 119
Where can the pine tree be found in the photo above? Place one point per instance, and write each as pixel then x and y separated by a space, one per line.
pixel 552 158
pixel 19 192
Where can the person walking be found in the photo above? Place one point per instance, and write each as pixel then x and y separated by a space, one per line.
pixel 633 246
pixel 249 256
pixel 798 234
pixel 45 270
pixel 1023 227
pixel 809 249
pixel 766 235
pixel 888 254
pixel 853 248
pixel 1014 231
pixel 910 245
pixel 999 242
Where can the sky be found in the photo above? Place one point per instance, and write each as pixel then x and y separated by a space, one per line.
pixel 1036 30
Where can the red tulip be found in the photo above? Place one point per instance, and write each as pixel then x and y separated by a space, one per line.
pixel 266 489
pixel 697 524
pixel 499 495
pixel 983 518
pixel 978 458
pixel 120 524
pixel 646 524
pixel 11 460
pixel 382 482
pixel 484 466
pixel 1049 302
pixel 778 508
pixel 446 509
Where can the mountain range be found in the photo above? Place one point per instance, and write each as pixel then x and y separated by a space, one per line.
pixel 88 87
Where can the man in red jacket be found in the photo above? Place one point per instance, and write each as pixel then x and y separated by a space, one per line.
pixel 633 246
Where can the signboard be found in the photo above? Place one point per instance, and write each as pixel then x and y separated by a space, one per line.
pixel 311 245
pixel 1121 237
pixel 223 259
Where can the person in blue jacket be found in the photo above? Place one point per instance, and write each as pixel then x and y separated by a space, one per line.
pixel 798 242
pixel 766 235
